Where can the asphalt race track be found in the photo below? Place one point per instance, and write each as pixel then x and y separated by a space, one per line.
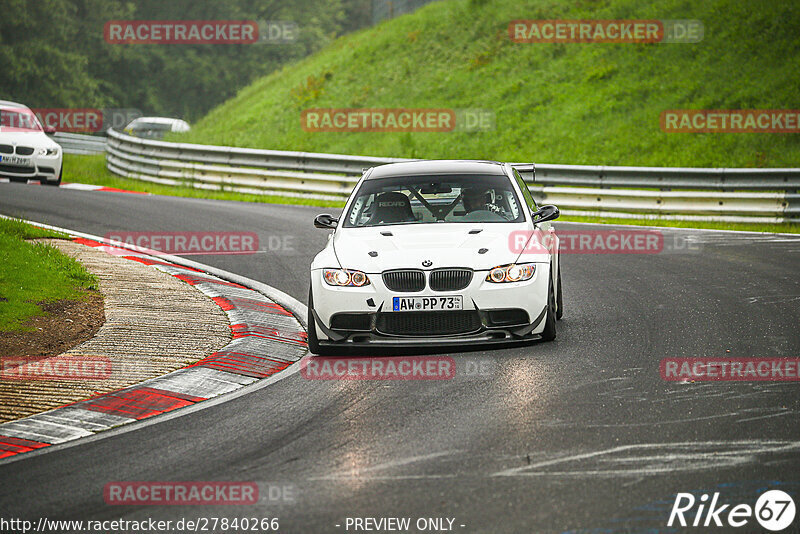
pixel 581 433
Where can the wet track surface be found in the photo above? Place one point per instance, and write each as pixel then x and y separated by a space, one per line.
pixel 581 433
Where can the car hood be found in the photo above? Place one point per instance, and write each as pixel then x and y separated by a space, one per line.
pixel 443 244
pixel 31 139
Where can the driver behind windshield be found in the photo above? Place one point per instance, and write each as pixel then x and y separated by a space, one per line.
pixel 474 199
pixel 425 199
pixel 477 199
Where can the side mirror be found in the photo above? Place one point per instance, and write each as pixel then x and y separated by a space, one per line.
pixel 325 221
pixel 545 213
pixel 49 129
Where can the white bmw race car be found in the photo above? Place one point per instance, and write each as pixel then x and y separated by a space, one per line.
pixel 436 253
pixel 25 150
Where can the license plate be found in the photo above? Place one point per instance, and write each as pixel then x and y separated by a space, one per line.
pixel 16 160
pixel 401 304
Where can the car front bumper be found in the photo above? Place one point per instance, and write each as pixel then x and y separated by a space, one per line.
pixel 44 168
pixel 491 313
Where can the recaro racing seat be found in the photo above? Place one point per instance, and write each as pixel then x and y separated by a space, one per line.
pixel 391 208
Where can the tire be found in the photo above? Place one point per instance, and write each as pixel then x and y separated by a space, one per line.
pixel 559 296
pixel 549 332
pixel 313 341
pixel 57 182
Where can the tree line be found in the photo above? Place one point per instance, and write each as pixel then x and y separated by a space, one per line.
pixel 53 53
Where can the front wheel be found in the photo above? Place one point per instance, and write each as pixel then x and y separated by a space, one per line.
pixel 313 341
pixel 57 182
pixel 549 332
pixel 559 296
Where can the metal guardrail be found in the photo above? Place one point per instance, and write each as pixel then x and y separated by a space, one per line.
pixel 733 195
pixel 80 144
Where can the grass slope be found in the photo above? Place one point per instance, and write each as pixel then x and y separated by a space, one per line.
pixel 554 103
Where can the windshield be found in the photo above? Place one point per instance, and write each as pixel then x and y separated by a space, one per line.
pixel 434 199
pixel 19 120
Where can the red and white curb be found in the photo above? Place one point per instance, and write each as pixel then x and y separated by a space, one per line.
pixel 101 188
pixel 86 187
pixel 267 338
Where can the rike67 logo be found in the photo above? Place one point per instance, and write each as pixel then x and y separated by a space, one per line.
pixel 774 511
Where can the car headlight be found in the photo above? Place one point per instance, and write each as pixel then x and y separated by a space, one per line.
pixel 511 273
pixel 48 151
pixel 345 278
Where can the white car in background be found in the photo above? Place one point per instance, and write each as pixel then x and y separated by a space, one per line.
pixel 429 253
pixel 26 152
pixel 155 127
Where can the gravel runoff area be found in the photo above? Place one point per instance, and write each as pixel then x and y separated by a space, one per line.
pixel 154 324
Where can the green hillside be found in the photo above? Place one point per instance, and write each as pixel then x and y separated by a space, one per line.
pixel 554 103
